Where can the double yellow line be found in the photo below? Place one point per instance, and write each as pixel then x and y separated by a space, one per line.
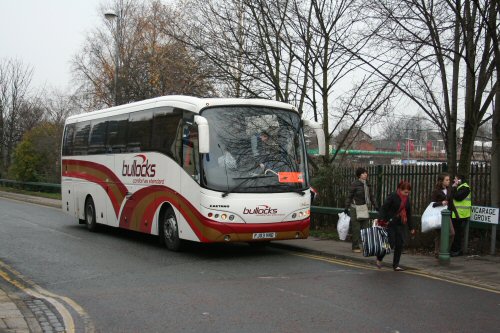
pixel 60 303
pixel 412 272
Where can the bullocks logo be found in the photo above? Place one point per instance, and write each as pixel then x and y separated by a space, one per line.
pixel 140 167
pixel 260 210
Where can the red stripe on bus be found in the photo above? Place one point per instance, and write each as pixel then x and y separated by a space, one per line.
pixel 194 217
pixel 201 225
pixel 104 183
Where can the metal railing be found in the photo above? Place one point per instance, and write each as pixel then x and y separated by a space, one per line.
pixel 31 186
pixel 334 211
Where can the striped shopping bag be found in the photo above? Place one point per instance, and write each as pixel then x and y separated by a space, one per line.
pixel 375 241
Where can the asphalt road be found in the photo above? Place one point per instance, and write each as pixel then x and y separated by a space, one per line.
pixel 125 282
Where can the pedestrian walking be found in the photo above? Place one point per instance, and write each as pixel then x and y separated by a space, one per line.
pixel 356 206
pixel 462 203
pixel 441 196
pixel 396 211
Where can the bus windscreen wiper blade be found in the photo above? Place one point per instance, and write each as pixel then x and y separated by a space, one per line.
pixel 289 187
pixel 245 179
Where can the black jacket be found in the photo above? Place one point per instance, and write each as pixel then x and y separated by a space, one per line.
pixel 390 208
pixel 438 196
pixel 357 194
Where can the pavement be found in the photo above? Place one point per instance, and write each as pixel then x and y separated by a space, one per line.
pixel 482 272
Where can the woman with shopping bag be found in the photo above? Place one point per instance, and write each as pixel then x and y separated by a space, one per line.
pixel 396 210
pixel 441 196
pixel 357 206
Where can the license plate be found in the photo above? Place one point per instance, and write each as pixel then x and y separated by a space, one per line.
pixel 264 235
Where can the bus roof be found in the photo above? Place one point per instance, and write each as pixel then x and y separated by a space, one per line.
pixel 190 103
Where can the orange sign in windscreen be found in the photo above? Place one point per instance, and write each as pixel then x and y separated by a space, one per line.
pixel 290 177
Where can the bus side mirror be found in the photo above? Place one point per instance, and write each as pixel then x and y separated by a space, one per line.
pixel 318 129
pixel 203 134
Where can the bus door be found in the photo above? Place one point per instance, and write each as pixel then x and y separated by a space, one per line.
pixel 190 178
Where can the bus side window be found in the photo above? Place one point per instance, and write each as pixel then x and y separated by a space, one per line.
pixel 97 137
pixel 165 124
pixel 139 135
pixel 69 133
pixel 81 141
pixel 116 135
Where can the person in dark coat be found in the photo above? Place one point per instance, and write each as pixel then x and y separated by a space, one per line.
pixel 441 196
pixel 396 210
pixel 360 193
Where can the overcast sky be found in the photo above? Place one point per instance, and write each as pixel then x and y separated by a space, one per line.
pixel 45 34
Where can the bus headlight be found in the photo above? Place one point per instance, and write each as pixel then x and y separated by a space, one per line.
pixel 224 217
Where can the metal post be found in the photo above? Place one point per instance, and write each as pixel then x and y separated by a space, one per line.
pixel 111 15
pixel 117 59
pixel 379 199
pixel 444 250
pixel 466 238
pixel 493 239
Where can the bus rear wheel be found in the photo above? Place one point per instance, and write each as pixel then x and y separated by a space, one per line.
pixel 169 231
pixel 90 219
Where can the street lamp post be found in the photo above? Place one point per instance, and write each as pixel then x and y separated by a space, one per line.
pixel 110 15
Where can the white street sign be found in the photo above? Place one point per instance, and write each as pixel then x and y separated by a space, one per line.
pixel 484 214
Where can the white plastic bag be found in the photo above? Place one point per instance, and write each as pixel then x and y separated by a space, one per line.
pixel 343 225
pixel 431 218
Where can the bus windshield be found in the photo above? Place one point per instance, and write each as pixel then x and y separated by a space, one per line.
pixel 254 149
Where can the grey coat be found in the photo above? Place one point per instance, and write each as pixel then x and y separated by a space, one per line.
pixel 357 194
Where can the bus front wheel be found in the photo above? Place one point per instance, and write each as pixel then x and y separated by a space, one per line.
pixel 169 232
pixel 90 219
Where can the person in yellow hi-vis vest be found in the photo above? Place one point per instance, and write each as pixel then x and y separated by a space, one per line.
pixel 460 212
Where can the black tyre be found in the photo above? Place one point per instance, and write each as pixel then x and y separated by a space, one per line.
pixel 169 231
pixel 90 220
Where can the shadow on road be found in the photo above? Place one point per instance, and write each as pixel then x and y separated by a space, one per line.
pixel 194 249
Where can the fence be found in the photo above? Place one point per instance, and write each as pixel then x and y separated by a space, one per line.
pixel 384 179
pixel 31 186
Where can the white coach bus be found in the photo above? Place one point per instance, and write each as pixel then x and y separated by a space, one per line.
pixel 187 168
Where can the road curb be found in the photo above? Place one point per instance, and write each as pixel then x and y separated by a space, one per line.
pixel 371 261
pixel 364 260
pixel 31 199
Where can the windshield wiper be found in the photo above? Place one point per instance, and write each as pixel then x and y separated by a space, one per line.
pixel 289 187
pixel 246 179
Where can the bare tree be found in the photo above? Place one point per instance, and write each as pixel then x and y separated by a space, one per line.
pixel 150 63
pixel 58 106
pixel 300 52
pixel 443 54
pixel 19 111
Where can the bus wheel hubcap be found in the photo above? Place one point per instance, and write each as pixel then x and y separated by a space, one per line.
pixel 170 228
pixel 90 214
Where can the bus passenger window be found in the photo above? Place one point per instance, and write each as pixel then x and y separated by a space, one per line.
pixel 69 134
pixel 116 135
pixel 81 141
pixel 97 137
pixel 165 124
pixel 139 135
